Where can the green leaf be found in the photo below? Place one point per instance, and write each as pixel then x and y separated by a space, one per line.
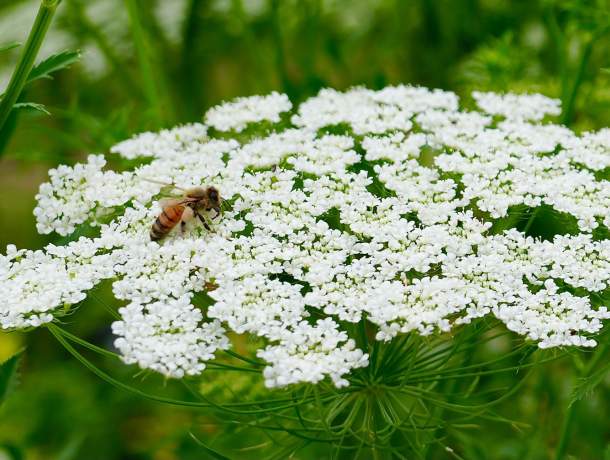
pixel 9 46
pixel 53 63
pixel 9 375
pixel 586 385
pixel 31 106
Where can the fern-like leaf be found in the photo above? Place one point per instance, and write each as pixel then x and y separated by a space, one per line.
pixel 31 106
pixel 9 375
pixel 52 64
pixel 586 385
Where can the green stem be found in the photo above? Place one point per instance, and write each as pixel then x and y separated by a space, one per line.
pixel 450 386
pixel 244 358
pixel 84 343
pixel 149 78
pixel 58 333
pixel 568 105
pixel 27 58
pixel 280 57
pixel 565 433
pixel 558 39
pixel 569 417
pixel 362 336
pixel 193 95
pixel 63 338
pixel 531 220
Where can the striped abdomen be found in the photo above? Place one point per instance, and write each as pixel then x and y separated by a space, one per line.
pixel 168 219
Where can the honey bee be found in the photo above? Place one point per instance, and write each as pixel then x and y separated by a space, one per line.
pixel 181 210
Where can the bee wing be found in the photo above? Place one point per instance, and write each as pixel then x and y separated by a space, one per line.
pixel 166 184
pixel 169 202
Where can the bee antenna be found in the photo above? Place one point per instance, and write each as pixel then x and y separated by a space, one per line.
pixel 167 184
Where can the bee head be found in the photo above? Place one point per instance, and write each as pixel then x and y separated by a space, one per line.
pixel 213 194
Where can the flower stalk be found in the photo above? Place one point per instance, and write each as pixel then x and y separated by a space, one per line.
pixel 19 77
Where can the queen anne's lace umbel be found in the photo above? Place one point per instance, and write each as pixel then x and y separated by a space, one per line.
pixel 365 205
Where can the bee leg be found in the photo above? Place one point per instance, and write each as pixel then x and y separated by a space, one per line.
pixel 212 209
pixel 204 222
pixel 217 211
pixel 187 215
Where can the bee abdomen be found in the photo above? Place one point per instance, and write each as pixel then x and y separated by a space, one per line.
pixel 167 220
pixel 158 231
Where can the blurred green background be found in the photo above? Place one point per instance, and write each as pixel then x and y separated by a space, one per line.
pixel 169 62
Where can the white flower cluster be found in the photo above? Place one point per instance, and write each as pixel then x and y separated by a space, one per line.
pixel 388 220
pixel 144 337
pixel 237 114
pixel 367 111
pixel 517 106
